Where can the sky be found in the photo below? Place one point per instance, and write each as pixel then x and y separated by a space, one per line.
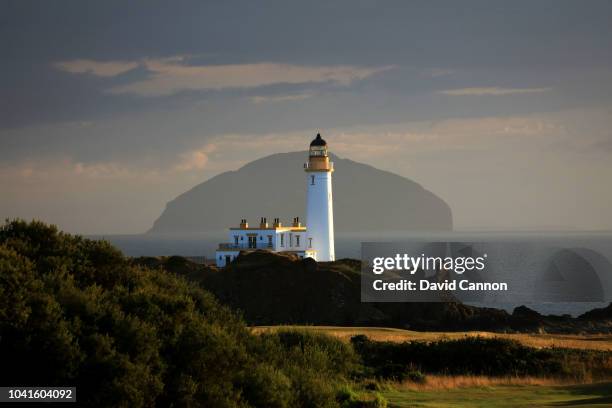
pixel 108 110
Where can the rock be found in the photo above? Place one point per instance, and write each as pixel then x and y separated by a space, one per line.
pixel 604 313
pixel 275 186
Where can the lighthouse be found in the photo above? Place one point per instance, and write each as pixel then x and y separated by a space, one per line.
pixel 319 202
pixel 316 241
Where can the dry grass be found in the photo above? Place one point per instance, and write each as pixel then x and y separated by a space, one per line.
pixel 447 382
pixel 575 341
pixel 504 396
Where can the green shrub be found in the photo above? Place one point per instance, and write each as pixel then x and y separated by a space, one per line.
pixel 477 356
pixel 76 311
pixel 415 376
pixel 378 402
pixel 318 365
pixel 348 398
pixel 266 386
pixel 346 393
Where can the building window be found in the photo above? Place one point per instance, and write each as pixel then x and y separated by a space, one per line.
pixel 290 239
pixel 309 242
pixel 312 180
pixel 270 241
pixel 242 238
pixel 260 237
pixel 235 239
pixel 282 239
pixel 297 240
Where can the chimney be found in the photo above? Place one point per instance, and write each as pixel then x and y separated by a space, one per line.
pixel 296 222
pixel 244 223
pixel 277 223
pixel 263 223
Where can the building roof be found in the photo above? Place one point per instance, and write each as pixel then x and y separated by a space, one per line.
pixel 288 228
pixel 232 248
pixel 318 141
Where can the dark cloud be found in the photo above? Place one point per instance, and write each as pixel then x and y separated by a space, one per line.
pixel 518 44
pixel 49 113
pixel 469 33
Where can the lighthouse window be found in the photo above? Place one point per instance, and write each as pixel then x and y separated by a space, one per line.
pixel 297 240
pixel 312 180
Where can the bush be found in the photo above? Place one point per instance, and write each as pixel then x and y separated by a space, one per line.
pixel 267 386
pixel 318 365
pixel 323 354
pixel 76 312
pixel 351 399
pixel 477 356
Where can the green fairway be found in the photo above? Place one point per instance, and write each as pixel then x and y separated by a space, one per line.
pixel 592 395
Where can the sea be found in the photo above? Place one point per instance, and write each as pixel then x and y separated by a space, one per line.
pixel 348 245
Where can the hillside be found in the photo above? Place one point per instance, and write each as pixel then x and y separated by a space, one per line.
pixel 365 198
pixel 279 289
pixel 272 289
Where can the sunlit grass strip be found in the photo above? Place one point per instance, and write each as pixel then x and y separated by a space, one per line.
pixel 446 382
pixel 538 340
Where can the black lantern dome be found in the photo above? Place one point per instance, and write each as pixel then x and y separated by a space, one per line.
pixel 318 141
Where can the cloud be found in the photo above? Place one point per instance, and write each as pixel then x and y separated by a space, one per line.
pixel 495 90
pixel 67 168
pixel 171 75
pixel 376 143
pixel 195 160
pixel 97 68
pixel 437 72
pixel 281 98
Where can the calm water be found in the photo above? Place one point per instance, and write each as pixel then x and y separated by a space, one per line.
pixel 348 245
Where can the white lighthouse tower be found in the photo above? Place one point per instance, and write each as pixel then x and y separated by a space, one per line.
pixel 319 203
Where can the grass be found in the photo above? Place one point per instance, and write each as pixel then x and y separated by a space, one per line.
pixel 449 382
pixel 439 390
pixel 574 341
pixel 590 395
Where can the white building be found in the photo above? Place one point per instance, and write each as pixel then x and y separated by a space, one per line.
pixel 316 241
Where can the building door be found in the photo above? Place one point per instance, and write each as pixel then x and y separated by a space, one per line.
pixel 253 242
pixel 228 259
